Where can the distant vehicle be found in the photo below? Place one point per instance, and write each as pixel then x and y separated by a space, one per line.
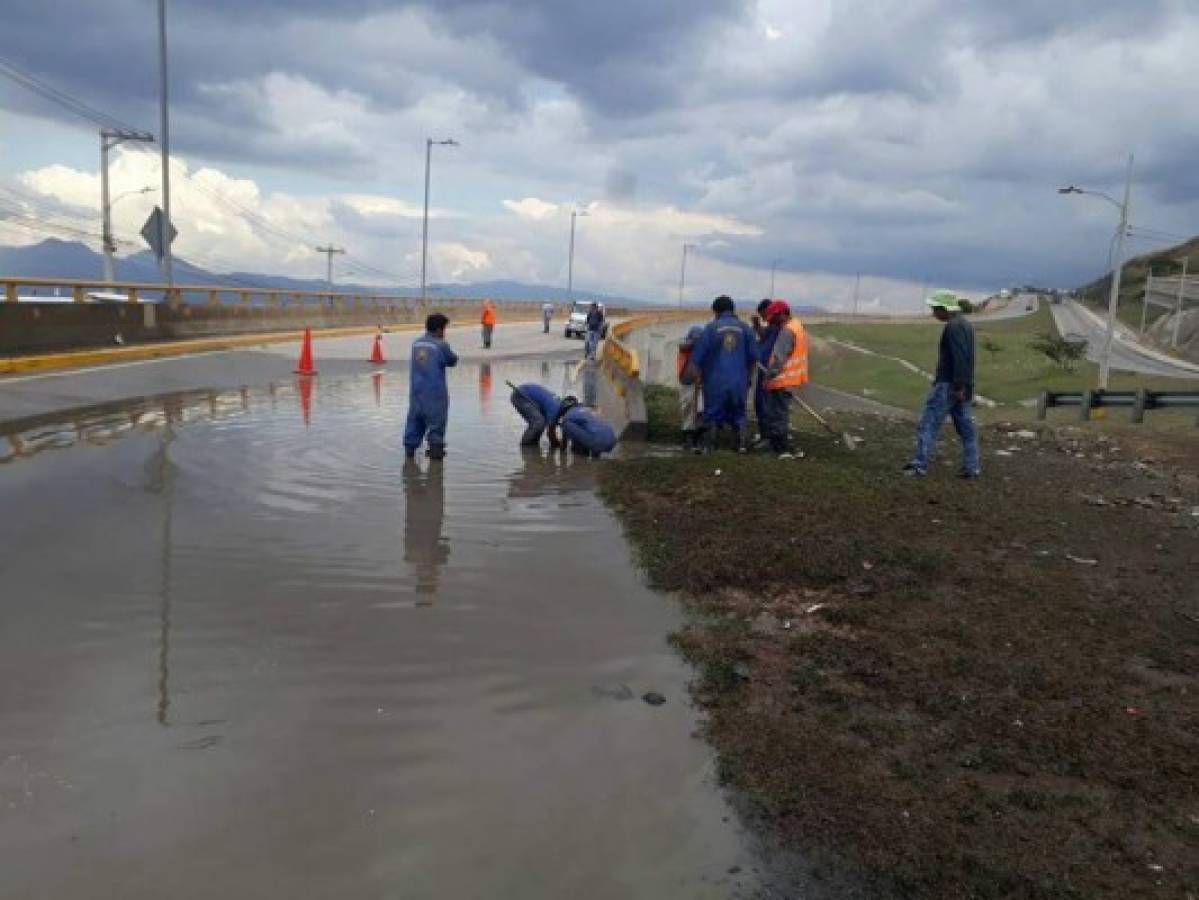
pixel 1005 294
pixel 576 324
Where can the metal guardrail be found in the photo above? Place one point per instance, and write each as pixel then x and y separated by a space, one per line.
pixel 1139 402
pixel 100 292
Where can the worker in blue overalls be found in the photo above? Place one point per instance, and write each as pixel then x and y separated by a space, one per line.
pixel 428 396
pixel 545 412
pixel 726 356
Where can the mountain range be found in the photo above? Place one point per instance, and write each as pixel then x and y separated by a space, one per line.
pixel 72 260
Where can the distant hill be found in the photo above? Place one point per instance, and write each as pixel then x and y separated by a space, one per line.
pixel 72 260
pixel 1132 279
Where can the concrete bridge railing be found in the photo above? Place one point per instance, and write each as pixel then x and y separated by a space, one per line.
pixel 622 388
pixel 40 315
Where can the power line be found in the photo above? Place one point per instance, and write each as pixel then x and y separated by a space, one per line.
pixel 61 98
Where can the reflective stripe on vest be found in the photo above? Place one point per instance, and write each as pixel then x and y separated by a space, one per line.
pixel 795 370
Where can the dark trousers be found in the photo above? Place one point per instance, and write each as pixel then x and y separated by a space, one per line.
pixel 487 329
pixel 535 421
pixel 776 406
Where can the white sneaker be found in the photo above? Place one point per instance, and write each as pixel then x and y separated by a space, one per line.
pixel 786 456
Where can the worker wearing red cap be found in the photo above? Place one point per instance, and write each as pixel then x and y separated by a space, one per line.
pixel 786 370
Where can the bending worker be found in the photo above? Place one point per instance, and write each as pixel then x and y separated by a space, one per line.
pixel 725 356
pixel 488 320
pixel 545 412
pixel 786 369
pixel 428 397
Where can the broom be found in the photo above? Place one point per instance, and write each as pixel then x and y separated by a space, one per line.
pixel 844 436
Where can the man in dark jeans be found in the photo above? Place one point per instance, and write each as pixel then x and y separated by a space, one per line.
pixel 595 330
pixel 952 391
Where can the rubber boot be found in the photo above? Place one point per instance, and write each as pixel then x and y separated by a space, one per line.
pixel 437 451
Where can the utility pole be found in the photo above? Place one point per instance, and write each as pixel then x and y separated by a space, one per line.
pixel 424 241
pixel 570 265
pixel 329 252
pixel 774 264
pixel 857 283
pixel 109 138
pixel 683 272
pixel 165 129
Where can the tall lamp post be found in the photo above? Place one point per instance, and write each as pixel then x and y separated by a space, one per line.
pixel 109 138
pixel 1113 302
pixel 424 242
pixel 683 272
pixel 165 145
pixel 774 264
pixel 570 263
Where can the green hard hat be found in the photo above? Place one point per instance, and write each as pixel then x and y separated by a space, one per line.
pixel 945 300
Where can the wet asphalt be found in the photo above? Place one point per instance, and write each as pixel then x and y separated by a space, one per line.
pixel 247 650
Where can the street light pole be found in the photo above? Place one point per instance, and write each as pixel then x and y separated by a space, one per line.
pixel 165 144
pixel 1113 302
pixel 774 264
pixel 109 138
pixel 683 272
pixel 570 264
pixel 857 283
pixel 424 242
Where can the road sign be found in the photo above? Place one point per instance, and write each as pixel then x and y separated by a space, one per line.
pixel 152 232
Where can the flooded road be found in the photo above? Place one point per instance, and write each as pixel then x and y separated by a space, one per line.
pixel 247 651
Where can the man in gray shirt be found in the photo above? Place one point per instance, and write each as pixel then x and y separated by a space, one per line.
pixel 952 390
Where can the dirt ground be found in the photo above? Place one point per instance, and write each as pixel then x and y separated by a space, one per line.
pixel 960 689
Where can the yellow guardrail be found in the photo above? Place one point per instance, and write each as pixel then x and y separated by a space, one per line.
pixel 624 357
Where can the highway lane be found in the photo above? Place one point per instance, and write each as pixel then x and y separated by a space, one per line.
pixel 1128 354
pixel 27 396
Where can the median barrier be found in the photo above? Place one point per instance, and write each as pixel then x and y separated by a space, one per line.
pixel 621 388
pixel 1138 402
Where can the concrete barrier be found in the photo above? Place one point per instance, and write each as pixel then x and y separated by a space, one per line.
pixel 621 388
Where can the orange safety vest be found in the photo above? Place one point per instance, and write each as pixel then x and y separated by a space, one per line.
pixel 488 313
pixel 795 370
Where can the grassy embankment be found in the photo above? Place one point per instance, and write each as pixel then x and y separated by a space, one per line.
pixel 963 690
pixel 1010 375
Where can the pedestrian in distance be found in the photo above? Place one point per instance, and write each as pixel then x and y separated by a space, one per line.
pixel 428 396
pixel 488 320
pixel 547 314
pixel 785 370
pixel 766 333
pixel 595 330
pixel 691 397
pixel 725 356
pixel 952 391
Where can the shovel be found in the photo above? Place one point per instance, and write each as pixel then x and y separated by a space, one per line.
pixel 844 436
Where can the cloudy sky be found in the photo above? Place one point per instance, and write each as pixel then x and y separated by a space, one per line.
pixel 918 142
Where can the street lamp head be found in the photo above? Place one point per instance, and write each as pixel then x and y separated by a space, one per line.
pixel 448 142
pixel 1070 189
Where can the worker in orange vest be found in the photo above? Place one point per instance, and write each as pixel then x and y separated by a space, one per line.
pixel 488 323
pixel 786 370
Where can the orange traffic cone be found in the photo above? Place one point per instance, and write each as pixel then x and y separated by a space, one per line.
pixel 305 366
pixel 377 350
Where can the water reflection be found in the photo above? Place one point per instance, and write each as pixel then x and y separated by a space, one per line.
pixel 485 388
pixel 425 549
pixel 161 481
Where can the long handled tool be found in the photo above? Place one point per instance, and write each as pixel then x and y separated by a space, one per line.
pixel 844 436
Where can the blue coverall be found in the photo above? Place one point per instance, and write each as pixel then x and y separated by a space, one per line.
pixel 726 354
pixel 539 407
pixel 428 397
pixel 587 431
pixel 765 348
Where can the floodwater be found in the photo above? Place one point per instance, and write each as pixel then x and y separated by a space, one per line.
pixel 247 651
